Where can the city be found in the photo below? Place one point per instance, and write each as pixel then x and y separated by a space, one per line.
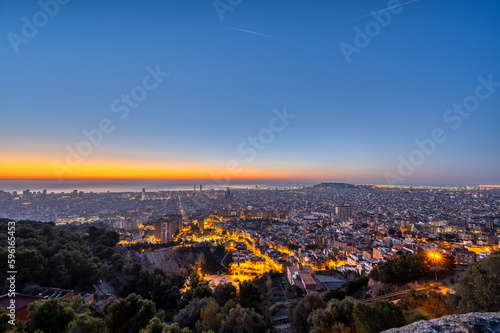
pixel 233 166
pixel 302 234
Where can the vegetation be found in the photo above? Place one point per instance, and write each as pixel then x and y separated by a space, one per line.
pixel 347 289
pixel 58 257
pixel 408 268
pixel 429 304
pixel 479 289
pixel 49 257
pixel 382 315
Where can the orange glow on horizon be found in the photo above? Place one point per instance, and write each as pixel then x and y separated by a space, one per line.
pixel 43 167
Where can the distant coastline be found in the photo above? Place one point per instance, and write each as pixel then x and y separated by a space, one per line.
pixel 133 185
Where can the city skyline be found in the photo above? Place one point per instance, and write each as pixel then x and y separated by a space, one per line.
pixel 384 92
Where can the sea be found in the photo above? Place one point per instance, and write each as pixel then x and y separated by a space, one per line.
pixel 135 185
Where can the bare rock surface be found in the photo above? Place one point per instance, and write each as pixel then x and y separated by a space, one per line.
pixel 474 322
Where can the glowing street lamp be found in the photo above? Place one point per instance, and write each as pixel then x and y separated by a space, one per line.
pixel 435 257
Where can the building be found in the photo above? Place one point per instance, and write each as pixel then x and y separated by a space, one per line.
pixel 464 257
pixel 21 307
pixel 101 301
pixel 143 194
pixel 167 226
pixel 302 276
pixel 57 293
pixel 343 213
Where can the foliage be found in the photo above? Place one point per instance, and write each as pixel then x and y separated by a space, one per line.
pixel 188 316
pixel 101 237
pixel 84 323
pixel 223 292
pixel 130 314
pixel 336 317
pixel 416 316
pixel 479 289
pixel 250 296
pixel 296 291
pixel 382 315
pixel 347 289
pixel 243 320
pixel 400 270
pixel 155 326
pixel 4 320
pixel 48 256
pixel 202 291
pixel 175 328
pixel 300 311
pixel 210 317
pixel 408 268
pixel 429 303
pixel 52 315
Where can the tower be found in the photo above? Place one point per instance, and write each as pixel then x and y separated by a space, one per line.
pixel 143 195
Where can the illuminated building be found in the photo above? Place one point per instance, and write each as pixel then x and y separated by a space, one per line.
pixel 302 276
pixel 343 213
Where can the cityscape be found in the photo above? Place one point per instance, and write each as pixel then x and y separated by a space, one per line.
pixel 234 166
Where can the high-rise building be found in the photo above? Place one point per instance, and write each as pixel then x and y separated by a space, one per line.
pixel 201 187
pixel 143 195
pixel 343 213
pixel 194 187
pixel 160 232
pixel 167 226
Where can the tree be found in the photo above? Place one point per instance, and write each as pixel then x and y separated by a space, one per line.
pixel 130 314
pixel 250 295
pixel 243 320
pixel 175 328
pixel 195 280
pixel 155 326
pixel 429 303
pixel 296 291
pixel 223 292
pixel 300 311
pixel 382 315
pixel 50 316
pixel 210 317
pixel 202 291
pixel 347 289
pixel 4 320
pixel 84 323
pixel 188 316
pixel 336 317
pixel 479 289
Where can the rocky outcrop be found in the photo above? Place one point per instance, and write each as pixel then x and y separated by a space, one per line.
pixel 474 322
pixel 175 260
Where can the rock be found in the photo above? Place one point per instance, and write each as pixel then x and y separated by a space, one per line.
pixel 474 322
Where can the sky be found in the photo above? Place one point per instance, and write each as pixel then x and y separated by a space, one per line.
pixel 237 89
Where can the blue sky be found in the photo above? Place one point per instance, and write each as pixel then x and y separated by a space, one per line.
pixel 353 120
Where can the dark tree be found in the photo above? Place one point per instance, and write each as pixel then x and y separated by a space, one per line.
pixel 130 314
pixel 479 289
pixel 223 292
pixel 382 315
pixel 300 311
pixel 243 320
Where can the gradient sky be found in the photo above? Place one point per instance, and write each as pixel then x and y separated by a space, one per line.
pixel 353 120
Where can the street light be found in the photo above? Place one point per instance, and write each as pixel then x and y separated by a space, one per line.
pixel 435 256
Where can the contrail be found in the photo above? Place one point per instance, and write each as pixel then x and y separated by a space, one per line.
pixel 248 31
pixel 385 9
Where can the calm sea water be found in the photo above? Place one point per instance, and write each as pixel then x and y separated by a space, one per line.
pixel 128 185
